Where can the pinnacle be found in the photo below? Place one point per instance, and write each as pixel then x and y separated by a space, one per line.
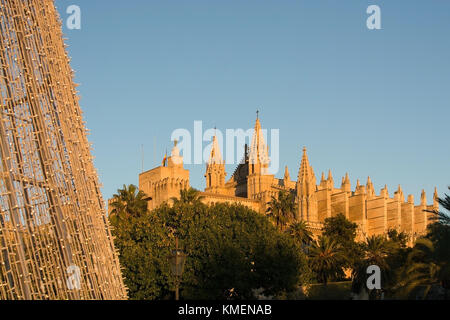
pixel 286 173
pixel 347 179
pixel 215 156
pixel 330 175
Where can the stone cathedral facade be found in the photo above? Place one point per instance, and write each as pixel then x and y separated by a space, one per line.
pixel 251 185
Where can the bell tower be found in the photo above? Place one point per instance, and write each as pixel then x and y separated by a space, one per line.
pixel 259 180
pixel 163 183
pixel 215 170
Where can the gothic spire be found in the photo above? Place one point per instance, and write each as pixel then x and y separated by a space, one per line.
pixel 346 183
pixel 330 180
pixel 216 156
pixel 436 199
pixel 370 188
pixel 423 198
pixel 306 177
pixel 347 179
pixel 287 176
pixel 259 151
pixel 330 176
pixel 384 192
pixel 399 193
pixel 305 169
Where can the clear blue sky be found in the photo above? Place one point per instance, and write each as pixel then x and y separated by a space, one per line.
pixel 365 102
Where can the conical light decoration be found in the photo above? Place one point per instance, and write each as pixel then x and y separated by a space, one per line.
pixel 55 239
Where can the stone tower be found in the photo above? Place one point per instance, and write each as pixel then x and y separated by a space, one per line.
pixel 55 237
pixel 306 191
pixel 215 170
pixel 163 183
pixel 259 181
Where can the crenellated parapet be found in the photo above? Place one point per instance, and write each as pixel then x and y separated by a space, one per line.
pixel 373 213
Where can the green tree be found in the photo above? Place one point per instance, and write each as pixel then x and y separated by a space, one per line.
pixel 275 212
pixel 343 231
pixel 143 244
pixel 340 228
pixel 428 263
pixel 421 269
pixel 300 233
pixel 325 259
pixel 443 217
pixel 282 209
pixel 396 260
pixel 188 196
pixel 232 251
pixel 375 251
pixel 128 202
pixel 439 234
pixel 397 239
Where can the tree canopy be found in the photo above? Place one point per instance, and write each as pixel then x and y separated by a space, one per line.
pixel 232 252
pixel 282 209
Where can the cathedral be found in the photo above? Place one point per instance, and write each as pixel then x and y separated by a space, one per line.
pixel 251 185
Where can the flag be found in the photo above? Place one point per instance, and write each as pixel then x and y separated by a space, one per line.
pixel 164 160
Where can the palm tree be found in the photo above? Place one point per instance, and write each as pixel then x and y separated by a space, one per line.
pixel 376 251
pixel 300 232
pixel 442 217
pixel 275 212
pixel 397 239
pixel 421 269
pixel 128 202
pixel 282 209
pixel 326 259
pixel 428 262
pixel 188 196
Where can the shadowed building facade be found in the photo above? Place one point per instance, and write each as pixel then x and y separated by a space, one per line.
pixel 55 240
pixel 251 185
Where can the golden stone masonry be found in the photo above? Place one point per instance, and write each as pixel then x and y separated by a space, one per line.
pixel 252 186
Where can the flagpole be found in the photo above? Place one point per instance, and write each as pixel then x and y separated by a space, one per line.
pixel 142 146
